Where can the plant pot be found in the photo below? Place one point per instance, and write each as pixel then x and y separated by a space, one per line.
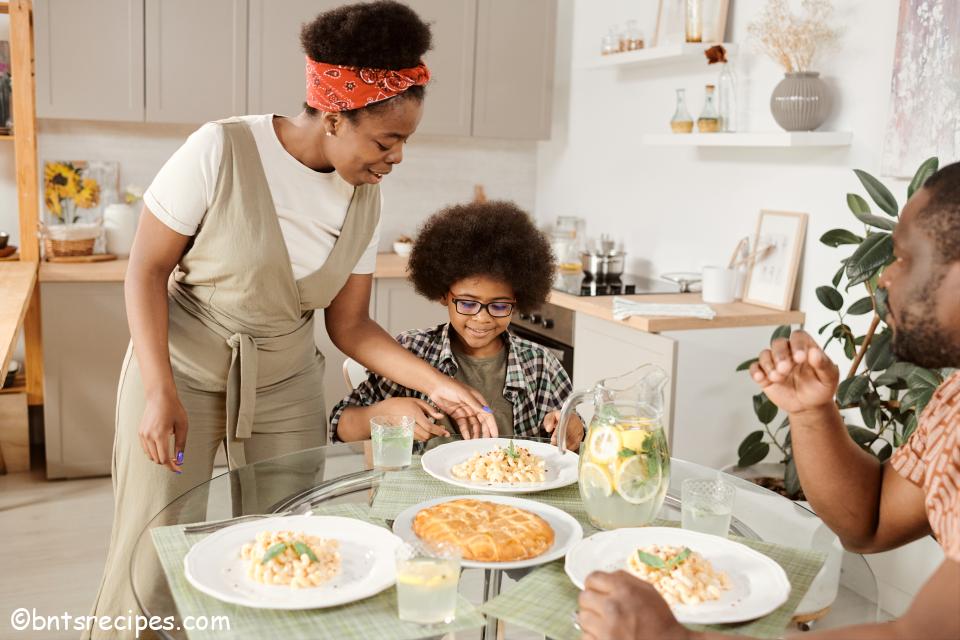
pixel 70 239
pixel 801 101
pixel 823 589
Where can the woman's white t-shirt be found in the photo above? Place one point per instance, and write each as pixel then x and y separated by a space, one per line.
pixel 311 206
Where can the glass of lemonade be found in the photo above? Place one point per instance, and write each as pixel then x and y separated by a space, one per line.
pixel 392 438
pixel 707 505
pixel 428 576
pixel 624 470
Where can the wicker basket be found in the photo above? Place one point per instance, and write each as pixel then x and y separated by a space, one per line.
pixel 72 240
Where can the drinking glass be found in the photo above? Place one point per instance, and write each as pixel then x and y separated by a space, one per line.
pixel 707 505
pixel 428 576
pixel 392 438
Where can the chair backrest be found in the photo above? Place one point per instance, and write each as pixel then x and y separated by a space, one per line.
pixel 353 373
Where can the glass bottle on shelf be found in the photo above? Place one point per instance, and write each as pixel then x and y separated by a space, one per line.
pixel 609 43
pixel 682 121
pixel 709 120
pixel 727 88
pixel 694 20
pixel 633 36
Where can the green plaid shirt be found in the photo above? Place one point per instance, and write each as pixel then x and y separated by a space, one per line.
pixel 536 382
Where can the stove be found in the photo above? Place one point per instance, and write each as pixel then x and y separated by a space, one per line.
pixel 579 284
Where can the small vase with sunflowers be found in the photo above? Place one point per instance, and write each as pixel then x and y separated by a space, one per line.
pixel 72 201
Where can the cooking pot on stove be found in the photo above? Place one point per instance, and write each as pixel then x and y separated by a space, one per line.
pixel 603 265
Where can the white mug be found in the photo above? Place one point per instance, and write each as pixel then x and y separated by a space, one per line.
pixel 719 284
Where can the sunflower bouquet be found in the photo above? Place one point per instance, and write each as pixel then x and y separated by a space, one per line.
pixel 66 188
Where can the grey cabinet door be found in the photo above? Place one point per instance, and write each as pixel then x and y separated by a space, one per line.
pixel 513 89
pixel 276 81
pixel 449 103
pixel 89 59
pixel 196 60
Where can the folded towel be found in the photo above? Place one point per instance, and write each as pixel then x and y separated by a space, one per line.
pixel 623 309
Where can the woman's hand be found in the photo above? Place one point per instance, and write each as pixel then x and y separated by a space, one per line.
pixel 618 606
pixel 465 406
pixel 574 429
pixel 422 412
pixel 796 375
pixel 163 417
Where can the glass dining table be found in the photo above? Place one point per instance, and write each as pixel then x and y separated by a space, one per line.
pixel 845 591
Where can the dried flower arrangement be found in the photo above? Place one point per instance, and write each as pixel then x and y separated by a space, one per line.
pixel 792 41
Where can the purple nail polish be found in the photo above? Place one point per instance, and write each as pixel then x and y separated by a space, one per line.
pixel 488 409
pixel 179 457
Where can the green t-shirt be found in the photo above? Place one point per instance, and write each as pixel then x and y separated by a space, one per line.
pixel 488 376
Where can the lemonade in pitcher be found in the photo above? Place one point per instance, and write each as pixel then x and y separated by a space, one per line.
pixel 625 459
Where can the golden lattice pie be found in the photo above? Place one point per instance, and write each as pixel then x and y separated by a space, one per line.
pixel 485 531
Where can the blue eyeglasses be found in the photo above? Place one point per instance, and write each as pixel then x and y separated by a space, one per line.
pixel 473 307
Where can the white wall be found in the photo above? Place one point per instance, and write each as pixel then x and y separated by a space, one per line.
pixel 678 208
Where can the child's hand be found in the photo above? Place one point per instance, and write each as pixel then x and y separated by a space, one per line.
pixel 574 429
pixel 422 412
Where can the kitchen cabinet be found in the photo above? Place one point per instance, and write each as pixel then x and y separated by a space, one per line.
pixel 603 349
pixel 189 62
pixel 275 78
pixel 195 59
pixel 513 78
pixel 85 337
pixel 89 59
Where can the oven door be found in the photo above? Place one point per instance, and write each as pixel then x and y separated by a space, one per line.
pixel 563 352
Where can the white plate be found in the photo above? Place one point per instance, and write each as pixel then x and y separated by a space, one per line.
pixel 566 530
pixel 560 470
pixel 367 552
pixel 759 584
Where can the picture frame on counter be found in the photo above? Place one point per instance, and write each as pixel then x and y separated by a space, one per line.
pixel 778 246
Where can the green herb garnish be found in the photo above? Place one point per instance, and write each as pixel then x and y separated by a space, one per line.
pixel 273 552
pixel 653 561
pixel 626 453
pixel 512 451
pixel 303 549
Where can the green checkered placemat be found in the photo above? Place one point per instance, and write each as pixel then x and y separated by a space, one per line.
pixel 545 600
pixel 400 490
pixel 375 617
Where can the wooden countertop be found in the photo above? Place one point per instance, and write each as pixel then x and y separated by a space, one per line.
pixel 735 314
pixel 16 286
pixel 390 265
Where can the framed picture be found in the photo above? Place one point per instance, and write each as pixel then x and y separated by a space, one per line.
pixel 778 245
pixel 76 191
pixel 671 21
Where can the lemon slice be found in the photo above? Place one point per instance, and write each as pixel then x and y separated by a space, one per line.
pixel 634 484
pixel 604 444
pixel 634 438
pixel 595 481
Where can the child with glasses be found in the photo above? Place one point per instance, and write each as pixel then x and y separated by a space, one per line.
pixel 483 262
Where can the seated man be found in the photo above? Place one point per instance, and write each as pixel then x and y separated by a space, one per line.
pixel 482 262
pixel 871 506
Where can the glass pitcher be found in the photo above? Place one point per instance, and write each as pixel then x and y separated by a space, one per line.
pixel 625 460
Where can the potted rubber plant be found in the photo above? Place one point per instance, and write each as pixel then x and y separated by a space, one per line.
pixel 887 393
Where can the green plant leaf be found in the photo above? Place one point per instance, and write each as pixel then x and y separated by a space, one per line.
pixel 898 371
pixel 873 253
pixel 861 306
pixel 273 552
pixel 852 389
pixel 916 398
pixel 839 274
pixel 791 479
pixel 861 210
pixel 878 193
pixel 743 366
pixel 881 298
pixel 879 354
pixel 909 427
pixel 756 453
pixel 924 377
pixel 783 331
pixel 626 453
pixel 927 169
pixel 651 560
pixel 849 347
pixel 885 451
pixel 836 237
pixel 752 438
pixel 869 408
pixel 824 328
pixel 830 298
pixel 303 549
pixel 766 411
pixel 863 437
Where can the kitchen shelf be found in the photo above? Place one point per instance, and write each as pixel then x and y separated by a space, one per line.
pixel 759 139
pixel 656 55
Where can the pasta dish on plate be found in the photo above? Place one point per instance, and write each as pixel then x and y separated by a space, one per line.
pixel 504 464
pixel 291 558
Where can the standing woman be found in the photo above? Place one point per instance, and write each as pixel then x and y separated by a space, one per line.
pixel 261 220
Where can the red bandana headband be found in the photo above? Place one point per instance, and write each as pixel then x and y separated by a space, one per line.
pixel 333 88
